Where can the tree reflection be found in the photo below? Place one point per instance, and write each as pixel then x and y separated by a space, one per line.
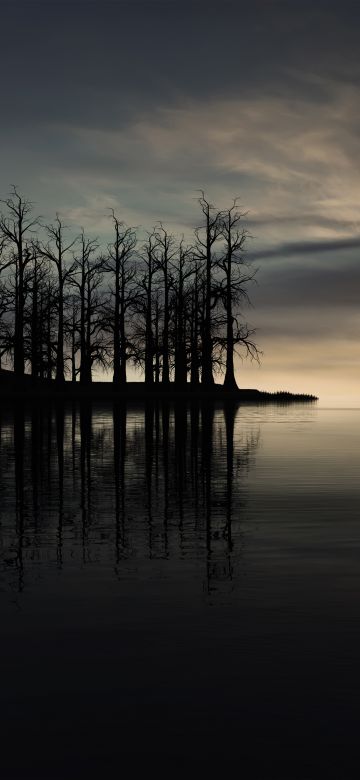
pixel 102 486
pixel 119 439
pixel 19 445
pixel 60 459
pixel 85 474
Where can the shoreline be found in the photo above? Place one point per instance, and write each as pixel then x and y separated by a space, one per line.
pixel 30 389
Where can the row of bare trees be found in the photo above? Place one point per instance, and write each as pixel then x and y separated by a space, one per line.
pixel 174 310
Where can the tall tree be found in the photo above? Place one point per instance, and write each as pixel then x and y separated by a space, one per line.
pixel 15 228
pixel 233 289
pixel 37 277
pixel 57 251
pixel 50 313
pixel 157 309
pixel 206 237
pixel 83 269
pixel 72 327
pixel 6 331
pixel 119 263
pixel 183 270
pixel 39 316
pixel 151 266
pixel 195 356
pixel 94 341
pixel 166 253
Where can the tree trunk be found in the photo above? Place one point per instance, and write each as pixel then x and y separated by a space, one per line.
pixel 117 341
pixel 88 376
pixel 157 346
pixel 206 374
pixel 149 346
pixel 34 326
pixel 82 328
pixel 19 359
pixel 41 337
pixel 122 331
pixel 229 381
pixel 48 345
pixel 194 370
pixel 73 351
pixel 60 375
pixel 180 358
pixel 165 368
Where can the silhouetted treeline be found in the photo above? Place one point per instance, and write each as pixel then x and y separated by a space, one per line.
pixel 172 309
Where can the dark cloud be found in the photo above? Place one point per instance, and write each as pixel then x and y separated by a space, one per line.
pixel 306 248
pixel 310 220
pixel 103 62
pixel 303 288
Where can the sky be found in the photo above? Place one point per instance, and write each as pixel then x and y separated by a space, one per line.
pixel 136 105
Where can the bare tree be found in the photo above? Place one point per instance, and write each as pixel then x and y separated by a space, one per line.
pixel 49 307
pixel 119 264
pixel 206 237
pixel 183 270
pixel 57 251
pixel 83 269
pixel 15 227
pixel 145 305
pixel 94 336
pixel 166 253
pixel 194 317
pixel 72 332
pixel 37 277
pixel 233 289
pixel 158 351
pixel 6 329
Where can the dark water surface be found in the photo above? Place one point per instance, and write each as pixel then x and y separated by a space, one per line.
pixel 180 590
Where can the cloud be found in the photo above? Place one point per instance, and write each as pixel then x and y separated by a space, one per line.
pixel 317 221
pixel 309 325
pixel 286 157
pixel 307 247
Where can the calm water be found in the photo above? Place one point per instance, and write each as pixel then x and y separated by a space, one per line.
pixel 181 589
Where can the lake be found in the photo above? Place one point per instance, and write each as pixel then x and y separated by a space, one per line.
pixel 180 589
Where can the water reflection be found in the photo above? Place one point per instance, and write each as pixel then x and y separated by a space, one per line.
pixel 165 571
pixel 104 485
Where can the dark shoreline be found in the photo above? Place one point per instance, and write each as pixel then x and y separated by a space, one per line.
pixel 30 389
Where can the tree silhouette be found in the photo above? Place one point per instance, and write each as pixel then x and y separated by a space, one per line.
pixel 233 289
pixel 36 279
pixel 195 345
pixel 86 277
pixel 57 251
pixel 183 271
pixel 120 267
pixel 144 332
pixel 15 229
pixel 6 332
pixel 165 254
pixel 72 333
pixel 206 237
